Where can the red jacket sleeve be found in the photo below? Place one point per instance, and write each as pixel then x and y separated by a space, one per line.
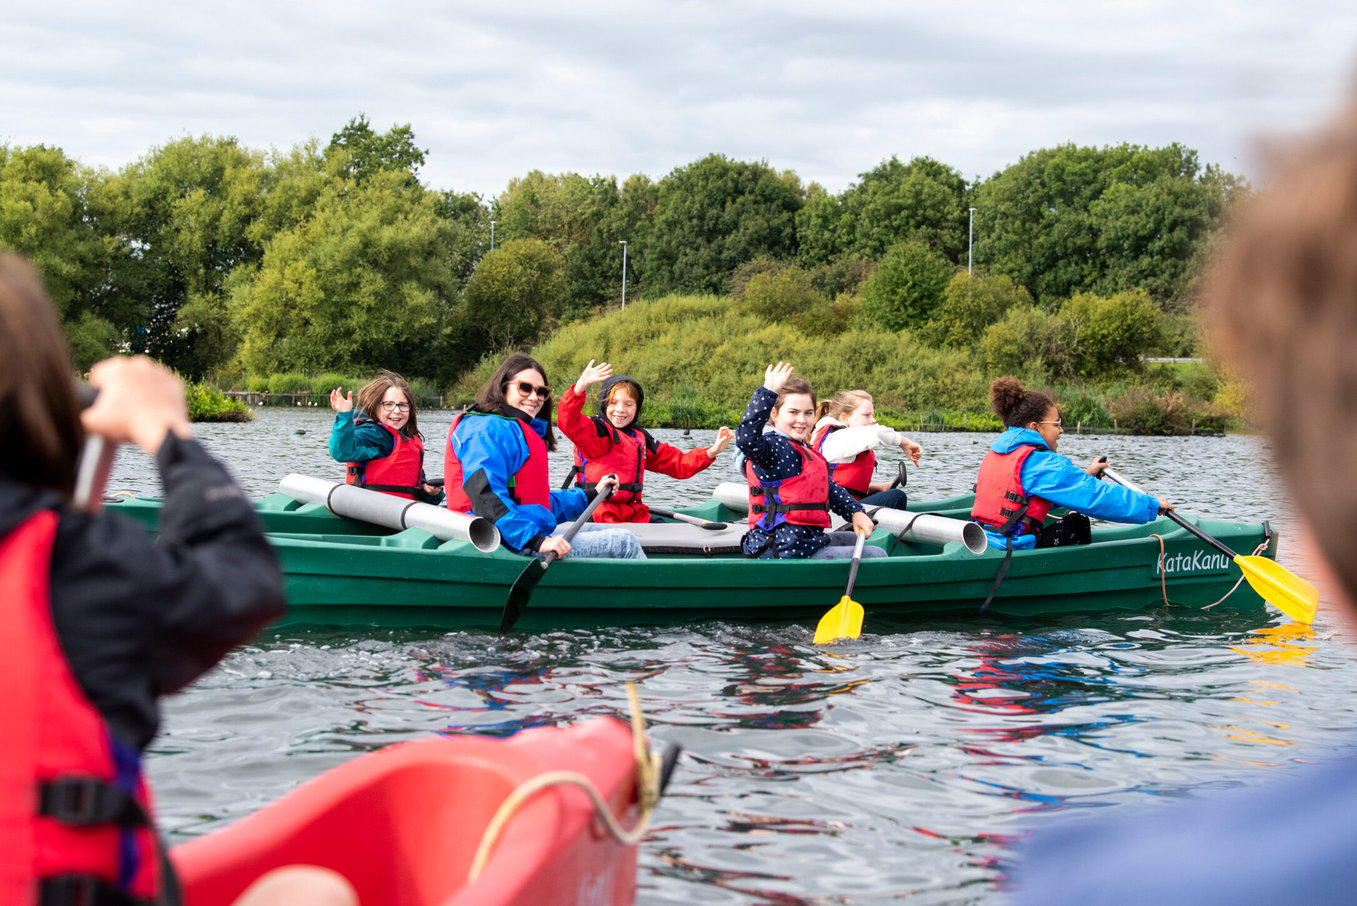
pixel 581 430
pixel 670 460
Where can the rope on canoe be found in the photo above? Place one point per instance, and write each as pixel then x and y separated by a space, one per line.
pixel 1163 579
pixel 647 783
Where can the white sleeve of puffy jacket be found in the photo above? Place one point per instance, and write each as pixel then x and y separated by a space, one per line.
pixel 844 444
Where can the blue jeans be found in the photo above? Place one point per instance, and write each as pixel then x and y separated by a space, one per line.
pixel 894 499
pixel 596 540
pixel 840 547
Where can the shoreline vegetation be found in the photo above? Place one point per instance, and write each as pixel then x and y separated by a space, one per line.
pixel 695 356
pixel 292 272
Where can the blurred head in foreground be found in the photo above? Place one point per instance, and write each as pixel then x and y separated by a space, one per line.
pixel 39 419
pixel 1282 305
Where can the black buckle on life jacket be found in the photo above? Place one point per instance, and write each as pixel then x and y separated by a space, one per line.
pixel 83 890
pixel 634 487
pixel 777 508
pixel 81 801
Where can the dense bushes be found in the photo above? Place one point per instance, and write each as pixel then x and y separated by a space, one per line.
pixel 208 404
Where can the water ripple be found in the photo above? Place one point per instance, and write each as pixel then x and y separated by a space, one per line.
pixel 902 764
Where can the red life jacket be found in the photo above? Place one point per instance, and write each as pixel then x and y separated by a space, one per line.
pixel 397 473
pixel 74 810
pixel 530 484
pixel 1000 502
pixel 626 459
pixel 801 500
pixel 855 477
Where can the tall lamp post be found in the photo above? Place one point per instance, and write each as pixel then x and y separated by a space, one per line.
pixel 623 243
pixel 970 243
pixel 492 234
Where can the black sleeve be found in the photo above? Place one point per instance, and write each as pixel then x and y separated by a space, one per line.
pixel 138 620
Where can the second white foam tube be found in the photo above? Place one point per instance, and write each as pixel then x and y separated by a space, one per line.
pixel 391 512
pixel 921 527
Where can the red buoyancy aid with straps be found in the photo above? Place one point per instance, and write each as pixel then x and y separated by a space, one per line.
pixel 1000 501
pixel 855 476
pixel 530 484
pixel 396 473
pixel 626 459
pixel 74 810
pixel 801 499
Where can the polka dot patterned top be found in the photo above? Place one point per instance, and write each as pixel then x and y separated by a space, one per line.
pixel 773 457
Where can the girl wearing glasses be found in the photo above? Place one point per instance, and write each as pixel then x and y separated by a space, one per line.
pixel 379 441
pixel 1022 477
pixel 496 468
pixel 613 443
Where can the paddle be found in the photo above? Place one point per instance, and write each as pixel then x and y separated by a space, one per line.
pixel 844 619
pixel 691 520
pixel 537 567
pixel 1277 585
pixel 95 462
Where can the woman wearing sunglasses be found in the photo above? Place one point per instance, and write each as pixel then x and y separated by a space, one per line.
pixel 379 441
pixel 496 468
pixel 1022 477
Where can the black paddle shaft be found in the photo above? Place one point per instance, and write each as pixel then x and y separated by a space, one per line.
pixel 693 520
pixel 1175 517
pixel 527 580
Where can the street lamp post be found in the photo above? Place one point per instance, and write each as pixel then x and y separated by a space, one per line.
pixel 624 273
pixel 492 234
pixel 970 243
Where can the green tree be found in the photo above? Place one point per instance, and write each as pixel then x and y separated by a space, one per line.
pixel 1112 331
pixel 185 215
pixel 1079 219
pixel 970 304
pixel 906 289
pixel 1031 343
pixel 516 293
pixel 45 216
pixel 923 201
pixel 712 215
pixel 468 217
pixel 361 284
pixel 362 153
pixel 782 295
pixel 581 218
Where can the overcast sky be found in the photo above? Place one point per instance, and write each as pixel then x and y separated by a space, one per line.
pixel 827 89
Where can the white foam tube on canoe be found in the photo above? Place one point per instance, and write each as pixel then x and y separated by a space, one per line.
pixel 922 527
pixel 391 512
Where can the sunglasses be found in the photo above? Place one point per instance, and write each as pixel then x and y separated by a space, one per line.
pixel 528 389
pixel 1057 423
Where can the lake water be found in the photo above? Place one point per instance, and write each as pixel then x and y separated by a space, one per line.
pixel 904 764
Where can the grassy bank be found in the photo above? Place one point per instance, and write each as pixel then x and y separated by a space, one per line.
pixel 700 357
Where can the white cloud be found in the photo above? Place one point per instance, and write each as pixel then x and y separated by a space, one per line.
pixel 616 88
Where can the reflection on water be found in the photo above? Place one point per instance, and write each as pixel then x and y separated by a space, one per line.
pixel 906 762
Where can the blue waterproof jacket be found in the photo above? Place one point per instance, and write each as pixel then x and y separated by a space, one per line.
pixel 1053 477
pixel 1285 842
pixel 495 447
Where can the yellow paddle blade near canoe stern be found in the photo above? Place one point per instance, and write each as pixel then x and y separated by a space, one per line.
pixel 842 621
pixel 1280 587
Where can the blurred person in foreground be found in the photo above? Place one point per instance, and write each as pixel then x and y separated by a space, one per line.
pixel 1282 301
pixel 100 623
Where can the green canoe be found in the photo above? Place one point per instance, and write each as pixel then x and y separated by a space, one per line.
pixel 345 572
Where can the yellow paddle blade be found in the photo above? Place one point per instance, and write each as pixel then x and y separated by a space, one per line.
pixel 843 621
pixel 1280 587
